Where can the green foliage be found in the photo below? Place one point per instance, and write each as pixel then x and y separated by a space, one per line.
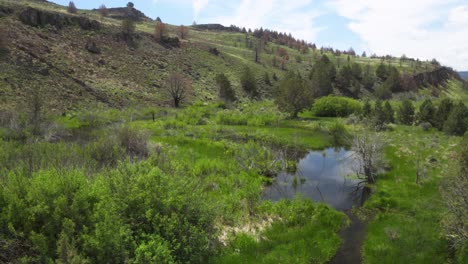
pixel 249 83
pixel 322 77
pixel 335 106
pixel 128 27
pixel 389 113
pixel 382 72
pixel 348 80
pixel 457 120
pixel 406 113
pixel 294 94
pixel 301 236
pixel 367 109
pixel 226 92
pixel 426 112
pixel 442 113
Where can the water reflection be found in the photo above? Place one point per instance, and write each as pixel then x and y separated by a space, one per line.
pixel 323 176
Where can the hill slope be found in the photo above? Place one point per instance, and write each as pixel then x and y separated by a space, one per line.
pixel 80 59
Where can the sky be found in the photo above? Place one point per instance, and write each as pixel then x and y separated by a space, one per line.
pixel 423 29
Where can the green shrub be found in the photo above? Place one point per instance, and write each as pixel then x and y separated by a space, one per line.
pixel 335 106
pixel 107 151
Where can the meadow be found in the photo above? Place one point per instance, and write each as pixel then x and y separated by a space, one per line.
pixel 186 187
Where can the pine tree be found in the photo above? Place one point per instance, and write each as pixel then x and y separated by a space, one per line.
pixel 457 121
pixel 442 113
pixel 72 8
pixel 226 93
pixel 379 116
pixel 426 112
pixel 406 113
pixel 322 77
pixel 248 83
pixel 389 113
pixel 367 109
pixel 293 94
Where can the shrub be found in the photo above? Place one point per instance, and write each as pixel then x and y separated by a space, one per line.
pixel 106 151
pixel 457 121
pixel 335 106
pixel 135 142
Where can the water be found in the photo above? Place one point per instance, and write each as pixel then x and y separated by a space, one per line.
pixel 323 176
pixel 326 176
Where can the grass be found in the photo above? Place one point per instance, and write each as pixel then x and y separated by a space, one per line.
pixel 406 226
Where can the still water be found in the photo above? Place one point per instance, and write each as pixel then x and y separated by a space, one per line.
pixel 324 176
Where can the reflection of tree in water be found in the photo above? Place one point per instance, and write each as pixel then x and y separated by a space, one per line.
pixel 316 168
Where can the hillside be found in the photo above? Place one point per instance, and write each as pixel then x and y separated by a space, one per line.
pixel 81 59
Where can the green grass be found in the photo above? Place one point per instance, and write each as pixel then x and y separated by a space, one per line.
pixel 406 227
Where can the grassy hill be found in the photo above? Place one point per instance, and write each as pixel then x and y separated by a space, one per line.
pixel 52 56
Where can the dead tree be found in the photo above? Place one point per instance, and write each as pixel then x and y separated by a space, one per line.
pixel 178 88
pixel 367 148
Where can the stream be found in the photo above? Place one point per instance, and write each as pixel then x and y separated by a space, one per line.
pixel 326 176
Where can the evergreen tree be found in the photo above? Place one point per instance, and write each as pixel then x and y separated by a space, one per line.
pixel 293 94
pixel 382 72
pixel 322 77
pixel 389 113
pixel 367 109
pixel 426 112
pixel 226 93
pixel 379 115
pixel 248 83
pixel 457 121
pixel 72 8
pixel 266 79
pixel 442 113
pixel 406 113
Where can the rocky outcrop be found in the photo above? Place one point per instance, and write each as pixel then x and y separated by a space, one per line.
pixel 40 18
pixel 125 12
pixel 215 27
pixel 437 77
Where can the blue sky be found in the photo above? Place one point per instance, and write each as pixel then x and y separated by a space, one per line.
pixel 423 29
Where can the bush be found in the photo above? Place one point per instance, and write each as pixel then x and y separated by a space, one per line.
pixel 135 142
pixel 335 106
pixel 457 121
pixel 106 151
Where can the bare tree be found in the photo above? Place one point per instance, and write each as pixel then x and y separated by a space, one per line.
pixel 160 31
pixel 178 88
pixel 368 148
pixel 103 11
pixel 183 32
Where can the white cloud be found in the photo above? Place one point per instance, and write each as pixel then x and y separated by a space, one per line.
pixel 418 28
pixel 198 5
pixel 295 17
